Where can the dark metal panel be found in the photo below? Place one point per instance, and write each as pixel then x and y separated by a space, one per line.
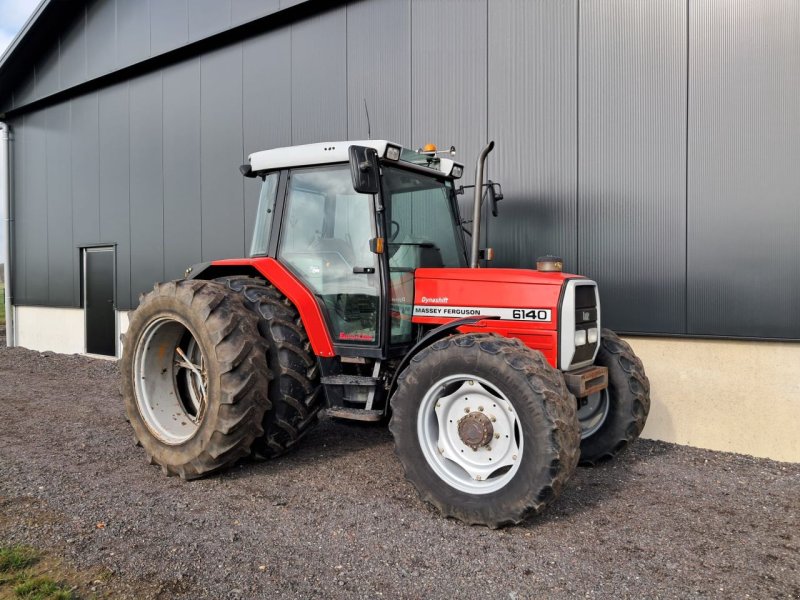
pixel 243 11
pixel 744 180
pixel 34 218
pixel 47 72
pixel 133 31
pixel 147 183
pixel 169 25
pixel 19 273
pixel 61 252
pixel 85 162
pixel 319 78
pixel 267 106
pixel 24 93
pixel 115 163
pixel 207 17
pixel 532 117
pixel 632 156
pixel 379 69
pixel 101 36
pixel 448 77
pixel 182 200
pixel 221 153
pixel 73 52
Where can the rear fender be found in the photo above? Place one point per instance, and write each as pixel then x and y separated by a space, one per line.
pixel 290 286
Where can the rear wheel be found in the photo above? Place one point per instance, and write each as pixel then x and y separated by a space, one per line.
pixel 614 418
pixel 485 429
pixel 194 377
pixel 295 390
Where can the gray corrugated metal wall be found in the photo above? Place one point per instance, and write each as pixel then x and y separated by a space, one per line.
pixel 651 144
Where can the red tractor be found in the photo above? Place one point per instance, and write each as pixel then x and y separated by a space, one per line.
pixel 360 297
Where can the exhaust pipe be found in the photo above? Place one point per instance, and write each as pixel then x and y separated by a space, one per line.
pixel 5 206
pixel 476 209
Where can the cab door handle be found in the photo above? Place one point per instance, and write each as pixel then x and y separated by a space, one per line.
pixel 365 270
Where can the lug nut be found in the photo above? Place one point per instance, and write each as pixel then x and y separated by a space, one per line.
pixel 494 419
pixel 489 448
pixel 514 457
pixel 480 408
pixel 472 383
pixel 497 436
pixel 466 410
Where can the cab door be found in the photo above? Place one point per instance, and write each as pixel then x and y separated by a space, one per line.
pixel 325 241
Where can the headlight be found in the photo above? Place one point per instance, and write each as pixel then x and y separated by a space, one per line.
pixel 580 337
pixel 392 152
pixel 592 335
pixel 457 171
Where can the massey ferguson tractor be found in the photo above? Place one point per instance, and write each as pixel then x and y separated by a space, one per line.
pixel 360 297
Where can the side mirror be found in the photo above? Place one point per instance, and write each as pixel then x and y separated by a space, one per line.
pixel 364 170
pixel 493 197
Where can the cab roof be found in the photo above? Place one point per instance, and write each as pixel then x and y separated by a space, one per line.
pixel 335 152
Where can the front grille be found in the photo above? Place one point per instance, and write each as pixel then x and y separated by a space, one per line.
pixel 585 318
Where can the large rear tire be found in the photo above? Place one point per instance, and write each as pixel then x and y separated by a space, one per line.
pixel 295 390
pixel 627 401
pixel 485 429
pixel 194 377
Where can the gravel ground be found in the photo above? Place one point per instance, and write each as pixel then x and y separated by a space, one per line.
pixel 336 519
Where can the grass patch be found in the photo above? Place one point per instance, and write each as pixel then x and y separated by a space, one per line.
pixel 18 578
pixel 42 588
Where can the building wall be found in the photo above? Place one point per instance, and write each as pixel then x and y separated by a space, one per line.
pixel 653 145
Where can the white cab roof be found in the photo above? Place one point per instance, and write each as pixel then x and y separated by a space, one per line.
pixel 322 153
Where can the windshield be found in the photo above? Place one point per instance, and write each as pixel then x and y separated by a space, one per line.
pixel 423 228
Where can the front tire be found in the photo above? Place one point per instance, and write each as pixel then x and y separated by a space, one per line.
pixel 627 401
pixel 194 377
pixel 485 429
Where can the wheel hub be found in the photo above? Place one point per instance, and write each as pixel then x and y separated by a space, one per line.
pixel 475 430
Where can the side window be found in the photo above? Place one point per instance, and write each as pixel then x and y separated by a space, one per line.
pixel 266 209
pixel 325 240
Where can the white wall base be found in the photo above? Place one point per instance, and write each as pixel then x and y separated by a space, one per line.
pixel 50 329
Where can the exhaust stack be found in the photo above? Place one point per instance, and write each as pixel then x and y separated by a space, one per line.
pixel 476 209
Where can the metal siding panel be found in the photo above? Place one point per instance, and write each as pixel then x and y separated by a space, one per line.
pixel 73 52
pixel 47 73
pixel 19 273
pixel 147 183
pixel 133 31
pixel 243 11
pixel 24 93
pixel 632 153
pixel 61 251
pixel 34 218
pixel 379 69
pixel 448 77
pixel 319 78
pixel 267 106
pixel 169 25
pixel 115 163
pixel 182 199
pixel 532 117
pixel 222 153
pixel 744 181
pixel 207 17
pixel 101 37
pixel 85 170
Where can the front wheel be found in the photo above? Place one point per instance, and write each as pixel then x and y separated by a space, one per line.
pixel 485 429
pixel 613 418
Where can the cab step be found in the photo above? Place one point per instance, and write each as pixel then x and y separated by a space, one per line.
pixel 355 414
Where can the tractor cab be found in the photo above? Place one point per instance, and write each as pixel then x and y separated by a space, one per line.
pixel 354 221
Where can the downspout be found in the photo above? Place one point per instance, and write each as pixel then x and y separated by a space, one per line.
pixel 5 203
pixel 476 209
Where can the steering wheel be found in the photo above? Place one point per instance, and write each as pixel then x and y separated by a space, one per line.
pixel 394 230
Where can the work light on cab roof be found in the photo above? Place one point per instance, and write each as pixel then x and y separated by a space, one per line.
pixel 366 294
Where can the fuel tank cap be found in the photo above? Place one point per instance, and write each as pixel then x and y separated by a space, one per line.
pixel 549 264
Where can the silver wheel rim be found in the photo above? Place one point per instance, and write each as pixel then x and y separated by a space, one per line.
pixel 170 380
pixel 487 468
pixel 593 413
